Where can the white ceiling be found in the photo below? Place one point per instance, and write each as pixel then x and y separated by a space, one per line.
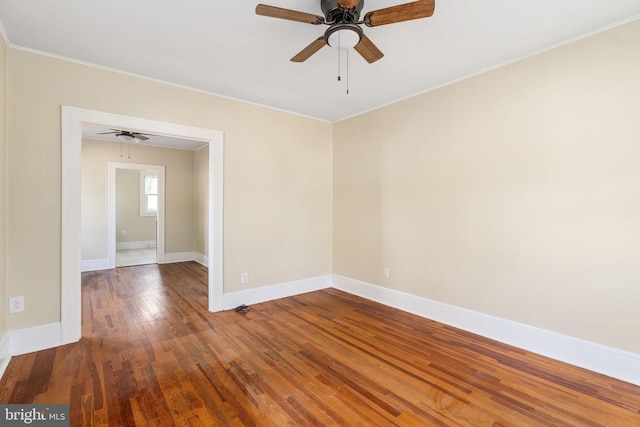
pixel 223 47
pixel 98 132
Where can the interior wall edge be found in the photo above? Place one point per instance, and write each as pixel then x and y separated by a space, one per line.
pixel 103 263
pixel 95 264
pixel 276 291
pixel 5 354
pixel 179 257
pixel 36 338
pixel 202 259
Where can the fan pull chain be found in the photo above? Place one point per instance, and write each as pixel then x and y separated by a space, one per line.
pixel 129 147
pixel 340 63
pixel 339 55
pixel 347 72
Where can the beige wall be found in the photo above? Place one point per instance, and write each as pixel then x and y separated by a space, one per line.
pixel 179 203
pixel 201 159
pixel 3 185
pixel 277 177
pixel 514 193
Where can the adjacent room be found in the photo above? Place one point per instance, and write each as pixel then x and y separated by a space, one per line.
pixel 332 212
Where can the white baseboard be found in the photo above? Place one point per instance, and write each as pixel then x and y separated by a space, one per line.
pixel 143 244
pixel 202 259
pixel 609 361
pixel 179 257
pixel 28 340
pixel 4 346
pixel 281 290
pixel 5 353
pixel 103 264
pixel 605 360
pixel 95 264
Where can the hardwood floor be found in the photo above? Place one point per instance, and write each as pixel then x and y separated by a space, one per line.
pixel 151 355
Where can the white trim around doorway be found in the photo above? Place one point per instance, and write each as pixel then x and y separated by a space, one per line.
pixel 72 119
pixel 159 169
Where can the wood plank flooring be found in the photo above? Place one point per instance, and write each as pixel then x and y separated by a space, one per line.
pixel 151 355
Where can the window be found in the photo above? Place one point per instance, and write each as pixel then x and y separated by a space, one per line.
pixel 148 193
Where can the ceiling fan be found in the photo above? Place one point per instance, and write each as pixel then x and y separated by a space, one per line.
pixel 343 19
pixel 126 135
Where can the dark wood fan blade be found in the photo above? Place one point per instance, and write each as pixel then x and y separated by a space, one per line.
pixel 368 50
pixel 305 53
pixel 400 13
pixel 291 15
pixel 140 136
pixel 348 4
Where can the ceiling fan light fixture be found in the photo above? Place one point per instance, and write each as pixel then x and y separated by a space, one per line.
pixel 343 36
pixel 125 137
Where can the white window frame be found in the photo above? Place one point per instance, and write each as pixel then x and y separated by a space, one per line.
pixel 143 194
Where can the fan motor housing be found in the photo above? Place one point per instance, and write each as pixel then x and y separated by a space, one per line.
pixel 334 13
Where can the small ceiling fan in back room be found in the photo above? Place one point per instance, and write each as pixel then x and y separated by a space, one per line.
pixel 126 136
pixel 343 19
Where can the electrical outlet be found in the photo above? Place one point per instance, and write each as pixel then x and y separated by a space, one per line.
pixel 16 304
pixel 244 278
pixel 385 273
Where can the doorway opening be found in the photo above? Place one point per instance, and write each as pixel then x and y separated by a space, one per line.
pixel 72 121
pixel 136 214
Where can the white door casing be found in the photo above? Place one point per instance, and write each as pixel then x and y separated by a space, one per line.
pixel 72 119
pixel 159 169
